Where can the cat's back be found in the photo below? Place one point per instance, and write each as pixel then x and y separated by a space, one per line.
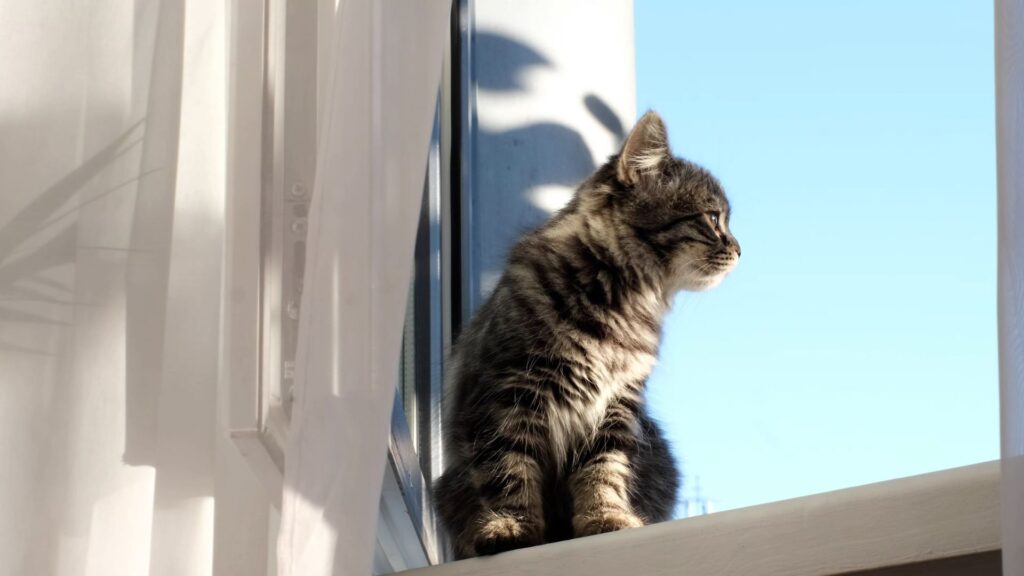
pixel 563 316
pixel 517 316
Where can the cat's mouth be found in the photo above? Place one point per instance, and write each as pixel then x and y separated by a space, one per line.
pixel 707 272
pixel 722 262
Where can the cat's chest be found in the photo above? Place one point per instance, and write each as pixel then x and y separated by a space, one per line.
pixel 613 373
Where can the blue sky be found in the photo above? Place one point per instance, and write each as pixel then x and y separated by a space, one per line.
pixel 856 341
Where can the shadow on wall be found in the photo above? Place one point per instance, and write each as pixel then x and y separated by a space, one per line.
pixel 25 259
pixel 41 312
pixel 63 288
pixel 512 167
pixel 28 285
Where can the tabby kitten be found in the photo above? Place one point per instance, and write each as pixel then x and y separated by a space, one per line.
pixel 548 433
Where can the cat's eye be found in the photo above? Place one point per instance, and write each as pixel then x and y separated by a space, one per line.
pixel 714 216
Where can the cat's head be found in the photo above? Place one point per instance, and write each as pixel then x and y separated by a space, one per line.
pixel 673 208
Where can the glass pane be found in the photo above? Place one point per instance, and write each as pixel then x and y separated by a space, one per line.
pixel 407 371
pixel 416 364
pixel 423 335
pixel 415 430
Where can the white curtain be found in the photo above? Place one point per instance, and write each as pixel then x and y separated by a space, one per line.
pixel 1010 149
pixel 385 74
pixel 111 214
pixel 112 190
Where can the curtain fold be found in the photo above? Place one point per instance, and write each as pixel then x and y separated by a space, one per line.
pixel 384 78
pixel 1009 24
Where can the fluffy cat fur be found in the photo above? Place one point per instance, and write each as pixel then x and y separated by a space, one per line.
pixel 548 436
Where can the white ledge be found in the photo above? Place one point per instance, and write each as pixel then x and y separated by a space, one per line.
pixel 939 515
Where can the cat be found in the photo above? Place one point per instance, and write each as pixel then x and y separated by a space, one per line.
pixel 547 432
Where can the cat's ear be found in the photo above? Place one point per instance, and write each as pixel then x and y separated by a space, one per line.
pixel 645 149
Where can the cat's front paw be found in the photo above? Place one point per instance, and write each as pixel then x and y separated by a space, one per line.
pixel 502 532
pixel 605 521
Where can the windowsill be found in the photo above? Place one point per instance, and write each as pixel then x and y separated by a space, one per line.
pixel 949 514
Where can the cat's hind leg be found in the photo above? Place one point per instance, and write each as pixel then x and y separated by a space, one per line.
pixel 509 475
pixel 458 506
pixel 491 499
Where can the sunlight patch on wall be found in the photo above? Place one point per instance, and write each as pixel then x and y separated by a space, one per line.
pixel 550 198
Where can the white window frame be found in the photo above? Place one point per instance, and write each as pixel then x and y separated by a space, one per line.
pixel 275 81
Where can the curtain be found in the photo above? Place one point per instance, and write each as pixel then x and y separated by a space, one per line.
pixel 384 77
pixel 112 116
pixel 112 190
pixel 1009 16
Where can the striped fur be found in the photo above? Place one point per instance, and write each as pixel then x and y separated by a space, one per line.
pixel 548 436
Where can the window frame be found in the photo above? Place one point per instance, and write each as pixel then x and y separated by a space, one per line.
pixel 272 146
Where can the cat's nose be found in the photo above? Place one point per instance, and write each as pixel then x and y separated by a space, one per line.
pixel 730 241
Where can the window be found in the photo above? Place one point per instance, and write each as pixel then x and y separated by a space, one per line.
pixel 534 129
pixel 506 104
pixel 274 148
pixel 416 451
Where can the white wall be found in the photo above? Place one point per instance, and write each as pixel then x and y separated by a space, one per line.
pixel 552 92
